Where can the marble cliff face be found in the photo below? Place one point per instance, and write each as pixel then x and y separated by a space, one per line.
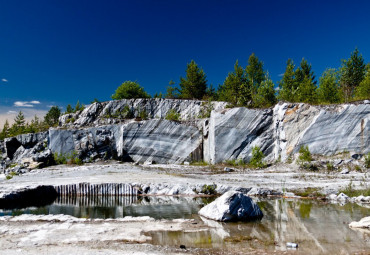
pixel 206 131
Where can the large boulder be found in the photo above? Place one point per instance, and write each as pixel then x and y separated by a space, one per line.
pixel 232 206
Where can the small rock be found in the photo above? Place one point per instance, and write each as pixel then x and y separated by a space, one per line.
pixel 337 162
pixel 227 169
pixel 344 171
pixel 182 247
pixel 356 156
pixel 342 197
pixel 363 223
pixel 186 163
pixel 366 101
pixel 332 197
pixel 292 245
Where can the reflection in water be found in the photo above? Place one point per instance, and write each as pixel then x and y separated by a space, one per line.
pixel 316 226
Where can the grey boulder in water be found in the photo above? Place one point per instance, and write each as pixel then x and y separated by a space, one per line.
pixel 232 206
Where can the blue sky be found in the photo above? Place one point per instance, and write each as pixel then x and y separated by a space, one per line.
pixel 58 52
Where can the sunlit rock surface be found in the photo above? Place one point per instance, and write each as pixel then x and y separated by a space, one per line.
pixel 159 141
pixel 98 132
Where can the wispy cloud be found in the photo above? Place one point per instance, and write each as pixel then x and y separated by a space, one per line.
pixel 4 80
pixel 26 103
pixel 281 75
pixel 11 112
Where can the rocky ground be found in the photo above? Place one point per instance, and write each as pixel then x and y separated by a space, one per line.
pixel 67 235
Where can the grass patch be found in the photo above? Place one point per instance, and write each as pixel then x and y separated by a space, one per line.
pixel 351 192
pixel 199 163
pixel 238 239
pixel 308 192
pixel 235 162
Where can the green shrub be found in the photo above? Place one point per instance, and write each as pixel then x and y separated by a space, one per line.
pixel 172 115
pixel 329 166
pixel 235 162
pixel 304 155
pixel 143 115
pixel 209 189
pixel 367 160
pixel 60 158
pixel 257 157
pixel 72 158
pixel 206 109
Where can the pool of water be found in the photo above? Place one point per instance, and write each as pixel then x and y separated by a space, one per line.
pixel 317 227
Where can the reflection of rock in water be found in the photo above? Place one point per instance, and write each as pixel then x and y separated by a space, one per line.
pixel 121 206
pixel 311 224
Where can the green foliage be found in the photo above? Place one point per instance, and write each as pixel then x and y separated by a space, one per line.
pixel 69 109
pixel 158 95
pixel 305 158
pixel 287 85
pixel 254 75
pixel 60 158
pixel 352 72
pixel 5 132
pixel 306 91
pixel 172 115
pixel 230 91
pixel 52 116
pixel 265 95
pixel 172 91
pixel 195 84
pixel 235 162
pixel 130 89
pixel 298 85
pixel 367 160
pixel 209 189
pixel 72 158
pixel 363 90
pixel 304 154
pixel 206 109
pixel 351 192
pixel 143 115
pixel 329 89
pixel 330 167
pixel 257 157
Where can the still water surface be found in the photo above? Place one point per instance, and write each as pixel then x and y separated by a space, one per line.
pixel 316 226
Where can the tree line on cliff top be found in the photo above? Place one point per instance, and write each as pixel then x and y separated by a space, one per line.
pixel 249 86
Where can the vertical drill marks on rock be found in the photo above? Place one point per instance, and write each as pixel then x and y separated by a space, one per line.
pixel 95 190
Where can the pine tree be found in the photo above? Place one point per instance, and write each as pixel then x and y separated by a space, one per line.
pixel 363 90
pixel 287 85
pixel 254 76
pixel 265 96
pixel 306 91
pixel 352 72
pixel 5 132
pixel 172 91
pixel 303 71
pixel 69 109
pixel 195 83
pixel 329 90
pixel 52 116
pixel 230 91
